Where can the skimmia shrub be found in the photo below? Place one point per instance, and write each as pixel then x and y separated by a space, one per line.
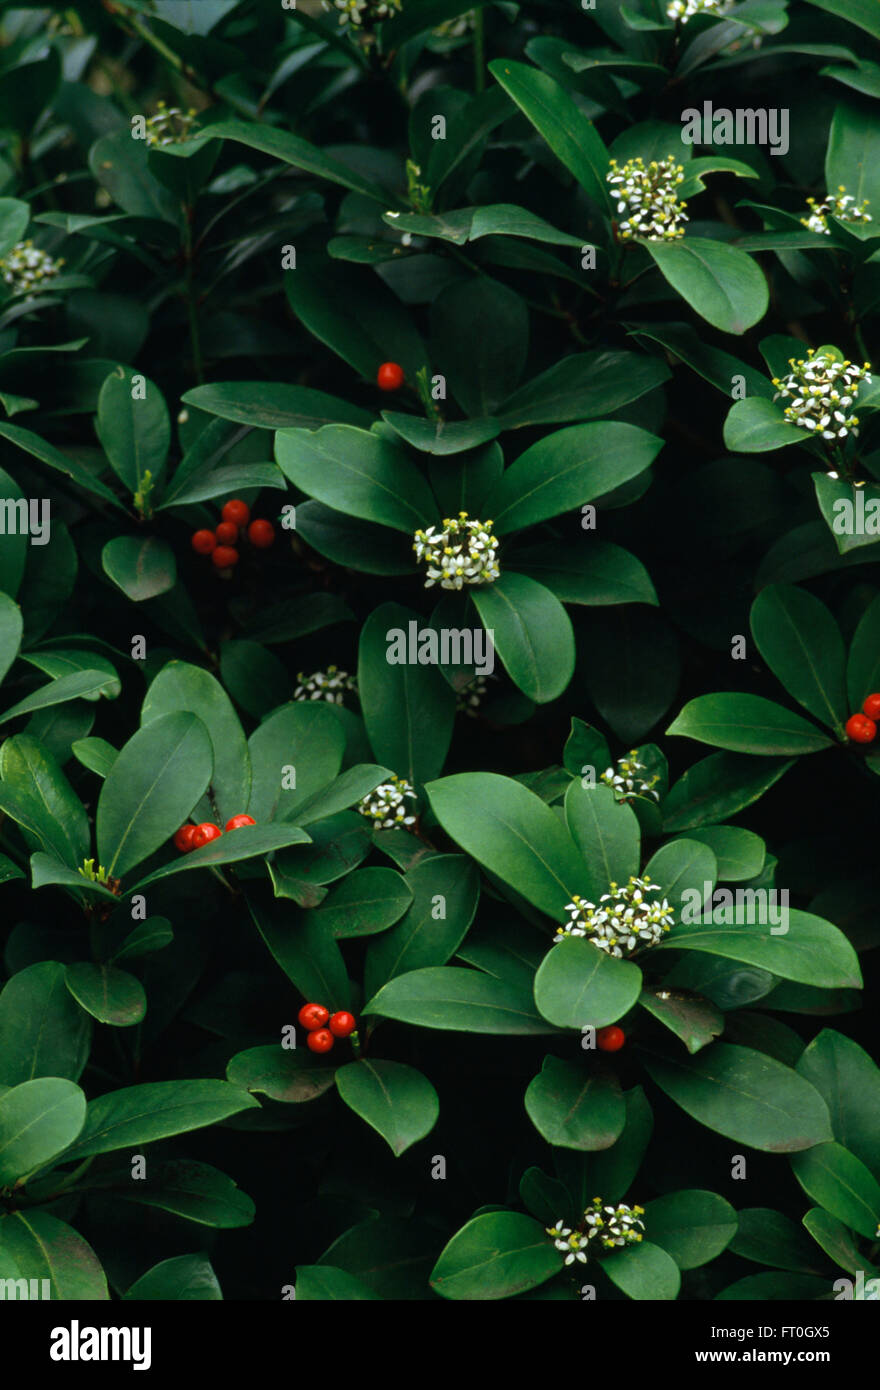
pixel 424 425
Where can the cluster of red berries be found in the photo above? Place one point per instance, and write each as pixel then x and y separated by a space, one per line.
pixel 390 376
pixel 862 728
pixel 191 836
pixel 220 544
pixel 610 1039
pixel 323 1027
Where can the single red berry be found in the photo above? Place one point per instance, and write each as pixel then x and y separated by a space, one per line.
pixel 860 729
pixel 342 1024
pixel 238 821
pixel 224 557
pixel 390 376
pixel 236 511
pixel 183 837
pixel 226 533
pixel 871 707
pixel 321 1040
pixel 203 542
pixel 261 534
pixel 610 1039
pixel 313 1016
pixel 205 833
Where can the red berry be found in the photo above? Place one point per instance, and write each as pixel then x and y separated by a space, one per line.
pixel 226 533
pixel 860 729
pixel 321 1040
pixel 871 707
pixel 261 534
pixel 390 376
pixel 238 821
pixel 204 834
pixel 224 557
pixel 610 1039
pixel 342 1024
pixel 236 511
pixel 203 542
pixel 313 1016
pixel 183 837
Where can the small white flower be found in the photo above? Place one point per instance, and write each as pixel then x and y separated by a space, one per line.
pixel 686 9
pixel 386 805
pixel 841 205
pixel 464 552
pixel 609 1226
pixel 469 699
pixel 821 390
pixel 614 1226
pixel 25 266
pixel 329 685
pixel 170 125
pixel 623 781
pixel 572 1243
pixel 360 12
pixel 622 921
pixel 647 201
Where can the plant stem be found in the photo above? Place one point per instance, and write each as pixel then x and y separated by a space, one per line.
pixel 479 52
pixel 192 314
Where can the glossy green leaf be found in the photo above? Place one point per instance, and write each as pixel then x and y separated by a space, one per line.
pixel 841 1184
pixel 516 836
pixel 720 282
pixel 444 894
pixel 464 1001
pixel 141 567
pixel 45 1248
pixel 149 792
pixel 408 707
pixel 357 473
pixel 575 1107
pixel 578 985
pixel 141 1114
pixel 43 1032
pixel 110 995
pixel 745 723
pixel 531 632
pixel 38 1119
pixel 495 1256
pixel 394 1099
pixel 606 832
pixel 181 687
pixel 802 645
pixel 692 1226
pixel 643 1271
pixel 746 1096
pixel 568 468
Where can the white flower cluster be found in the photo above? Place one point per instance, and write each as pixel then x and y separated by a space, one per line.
pixel 574 1243
pixel 622 920
pixel 822 390
pixel 610 1226
pixel 329 685
pixel 623 781
pixel 386 805
pixel 686 9
pixel 647 199
pixel 170 125
pixel 464 552
pixel 841 205
pixel 614 1226
pixel 26 266
pixel 358 12
pixel 469 699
